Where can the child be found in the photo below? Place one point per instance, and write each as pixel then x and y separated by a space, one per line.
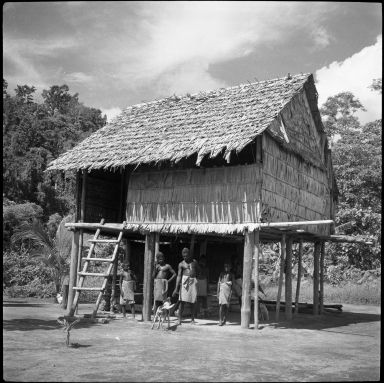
pixel 127 290
pixel 224 291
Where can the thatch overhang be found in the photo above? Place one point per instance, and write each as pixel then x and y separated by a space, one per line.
pixel 206 124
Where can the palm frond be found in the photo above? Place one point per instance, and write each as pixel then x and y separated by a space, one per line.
pixel 63 239
pixel 36 234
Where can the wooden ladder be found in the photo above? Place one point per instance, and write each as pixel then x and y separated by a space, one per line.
pixel 83 274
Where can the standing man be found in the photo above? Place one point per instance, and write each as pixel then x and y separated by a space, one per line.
pixel 186 283
pixel 160 285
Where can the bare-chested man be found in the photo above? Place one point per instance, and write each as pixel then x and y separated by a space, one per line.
pixel 160 285
pixel 186 283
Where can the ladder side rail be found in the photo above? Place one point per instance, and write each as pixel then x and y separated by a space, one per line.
pixel 113 260
pixel 85 267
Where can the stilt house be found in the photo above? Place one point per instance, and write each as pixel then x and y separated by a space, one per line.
pixel 221 170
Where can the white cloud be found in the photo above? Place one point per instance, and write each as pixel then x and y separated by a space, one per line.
pixel 180 40
pixel 78 77
pixel 354 74
pixel 321 37
pixel 111 113
pixel 22 54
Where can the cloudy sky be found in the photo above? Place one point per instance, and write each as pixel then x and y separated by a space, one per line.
pixel 116 54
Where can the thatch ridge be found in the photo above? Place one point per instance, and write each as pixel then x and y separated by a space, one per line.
pixel 204 123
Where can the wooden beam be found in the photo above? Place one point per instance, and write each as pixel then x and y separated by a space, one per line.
pixel 321 292
pixel 281 277
pixel 256 277
pixel 247 272
pixel 94 226
pixel 299 269
pixel 316 254
pixel 288 280
pixel 149 257
pixel 348 239
pixel 72 273
pixel 297 223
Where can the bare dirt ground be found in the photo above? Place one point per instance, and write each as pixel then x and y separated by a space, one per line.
pixel 333 347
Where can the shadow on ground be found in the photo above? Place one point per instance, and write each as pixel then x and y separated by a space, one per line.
pixel 22 304
pixel 30 324
pixel 326 321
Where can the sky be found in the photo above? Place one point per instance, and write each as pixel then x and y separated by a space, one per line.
pixel 116 54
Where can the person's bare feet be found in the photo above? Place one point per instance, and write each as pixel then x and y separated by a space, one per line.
pixel 193 321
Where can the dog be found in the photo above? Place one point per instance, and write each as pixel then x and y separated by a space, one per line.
pixel 162 314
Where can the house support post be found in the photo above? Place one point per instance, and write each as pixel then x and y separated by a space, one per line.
pixel 256 277
pixel 112 301
pixel 299 266
pixel 73 272
pixel 316 255
pixel 321 292
pixel 157 243
pixel 281 276
pixel 288 280
pixel 192 246
pixel 249 243
pixel 203 248
pixel 127 251
pixel 81 219
pixel 149 260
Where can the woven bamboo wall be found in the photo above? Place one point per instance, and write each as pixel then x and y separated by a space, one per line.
pixel 209 195
pixel 293 190
pixel 303 137
pixel 102 196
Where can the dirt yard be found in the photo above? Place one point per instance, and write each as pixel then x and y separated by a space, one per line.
pixel 334 347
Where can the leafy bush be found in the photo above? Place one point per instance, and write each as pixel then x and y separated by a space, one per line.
pixel 33 289
pixel 17 214
pixel 24 276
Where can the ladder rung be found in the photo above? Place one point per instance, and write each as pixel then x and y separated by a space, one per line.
pixel 104 240
pixel 88 288
pixel 93 274
pixel 99 259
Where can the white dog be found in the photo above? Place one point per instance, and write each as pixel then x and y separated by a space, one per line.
pixel 59 298
pixel 162 313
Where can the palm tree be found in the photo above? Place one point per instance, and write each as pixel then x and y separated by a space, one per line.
pixel 54 252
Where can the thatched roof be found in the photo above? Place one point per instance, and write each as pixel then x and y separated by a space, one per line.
pixel 207 123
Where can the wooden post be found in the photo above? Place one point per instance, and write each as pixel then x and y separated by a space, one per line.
pixel 81 219
pixel 256 278
pixel 203 248
pixel 113 287
pixel 72 272
pixel 281 277
pixel 192 246
pixel 321 296
pixel 299 267
pixel 127 251
pixel 247 272
pixel 149 257
pixel 316 254
pixel 157 243
pixel 288 280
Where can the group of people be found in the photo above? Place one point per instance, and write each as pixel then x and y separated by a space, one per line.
pixel 191 286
